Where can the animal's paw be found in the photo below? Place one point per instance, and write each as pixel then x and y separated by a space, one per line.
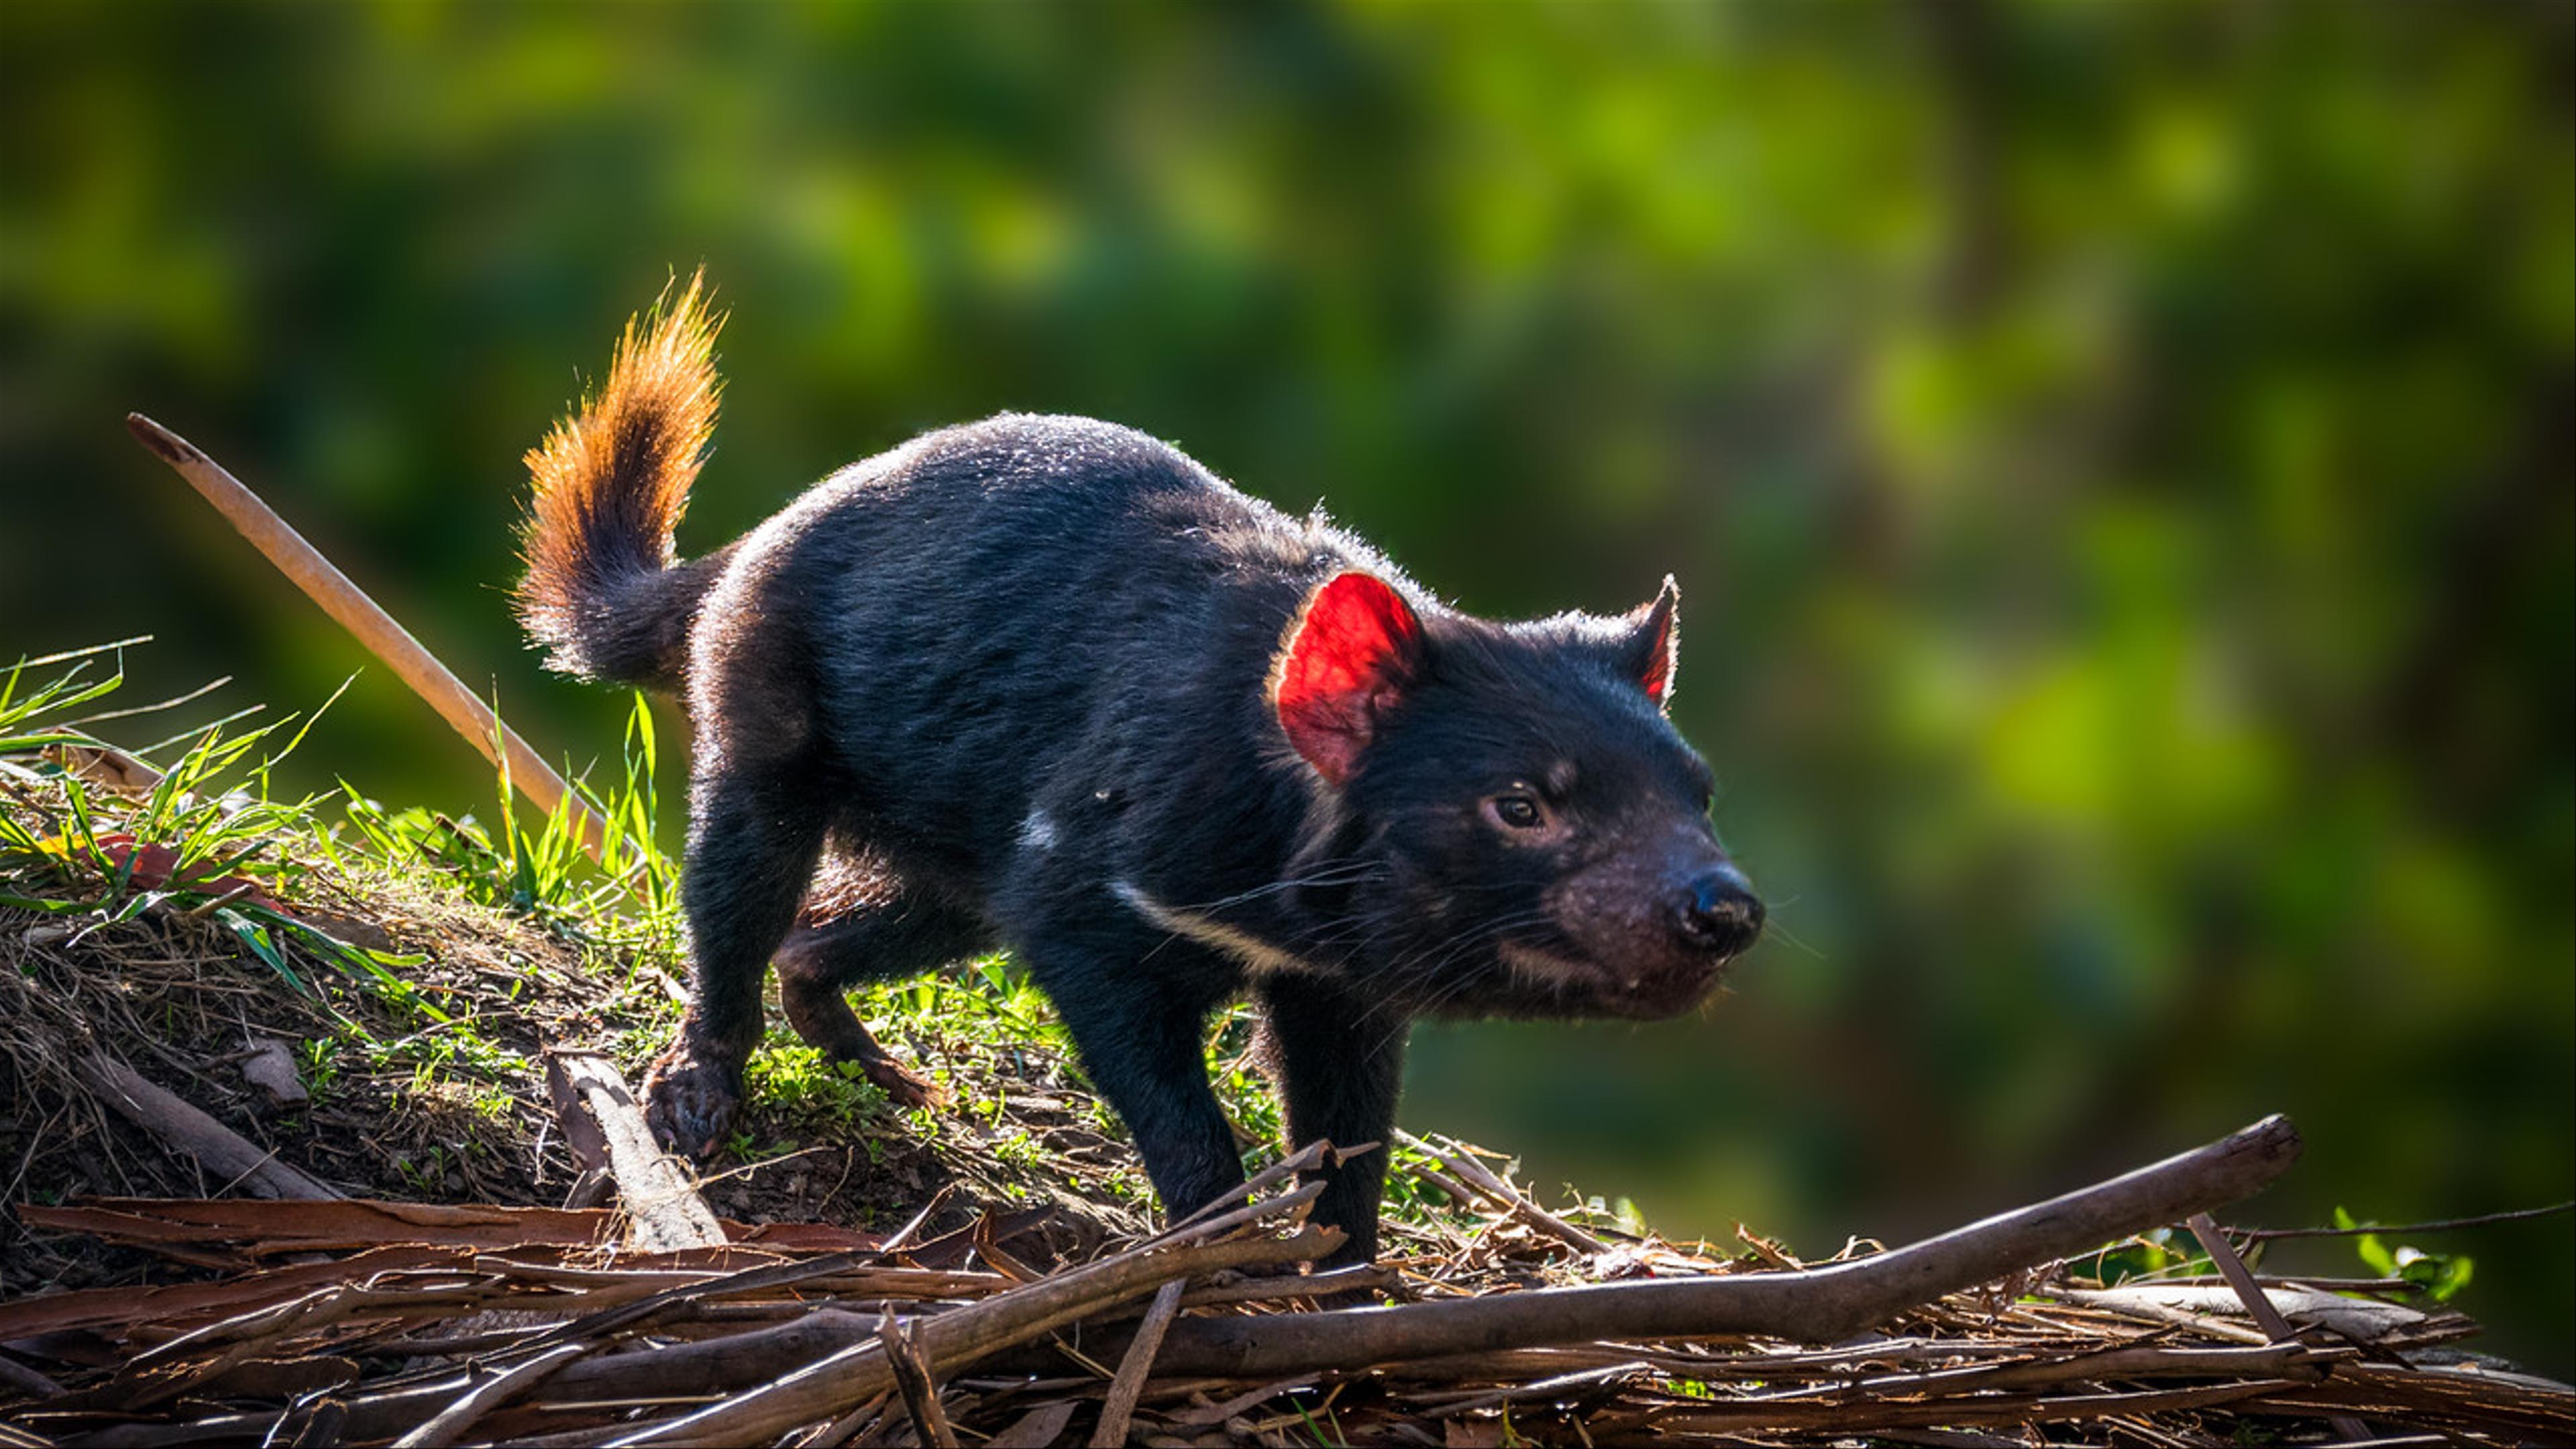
pixel 690 1104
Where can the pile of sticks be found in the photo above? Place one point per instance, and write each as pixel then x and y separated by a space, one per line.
pixel 374 1323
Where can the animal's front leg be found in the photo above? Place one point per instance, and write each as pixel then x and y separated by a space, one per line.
pixel 1339 1065
pixel 1140 1040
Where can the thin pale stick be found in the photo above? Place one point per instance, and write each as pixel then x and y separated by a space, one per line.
pixel 321 581
pixel 663 1210
pixel 1304 1159
pixel 1268 1207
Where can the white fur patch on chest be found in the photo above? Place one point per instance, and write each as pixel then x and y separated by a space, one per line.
pixel 1038 831
pixel 1257 955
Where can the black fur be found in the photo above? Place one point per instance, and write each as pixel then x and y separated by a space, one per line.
pixel 1012 684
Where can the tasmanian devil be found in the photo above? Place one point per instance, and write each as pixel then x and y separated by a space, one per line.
pixel 1046 683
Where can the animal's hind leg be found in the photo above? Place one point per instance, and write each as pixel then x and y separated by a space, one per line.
pixel 754 835
pixel 866 927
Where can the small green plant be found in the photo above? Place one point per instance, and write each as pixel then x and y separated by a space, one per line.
pixel 923 1124
pixel 23 704
pixel 1316 1430
pixel 321 1065
pixel 424 1172
pixel 2438 1275
pixel 788 1074
pixel 1241 1087
pixel 746 1147
pixel 1017 1148
pixel 452 1046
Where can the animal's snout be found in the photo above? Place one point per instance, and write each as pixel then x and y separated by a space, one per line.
pixel 1718 913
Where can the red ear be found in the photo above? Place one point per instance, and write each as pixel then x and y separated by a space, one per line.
pixel 1656 652
pixel 1353 651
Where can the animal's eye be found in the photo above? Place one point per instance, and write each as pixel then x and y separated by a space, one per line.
pixel 1517 811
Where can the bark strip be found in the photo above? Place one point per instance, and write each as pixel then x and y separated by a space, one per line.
pixel 664 1213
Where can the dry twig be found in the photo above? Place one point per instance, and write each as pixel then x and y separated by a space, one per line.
pixel 1121 1405
pixel 912 1380
pixel 220 1148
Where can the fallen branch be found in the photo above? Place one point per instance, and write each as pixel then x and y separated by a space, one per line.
pixel 680 1371
pixel 663 1210
pixel 2002 1409
pixel 222 1150
pixel 2280 1360
pixel 2198 1306
pixel 1814 1305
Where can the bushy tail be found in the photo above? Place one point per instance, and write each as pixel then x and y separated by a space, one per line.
pixel 603 592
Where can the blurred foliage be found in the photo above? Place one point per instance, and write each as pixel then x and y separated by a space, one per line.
pixel 2117 458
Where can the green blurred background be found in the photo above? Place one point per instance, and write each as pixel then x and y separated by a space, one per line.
pixel 2117 458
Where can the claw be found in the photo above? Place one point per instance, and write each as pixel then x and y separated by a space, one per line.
pixel 904 1086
